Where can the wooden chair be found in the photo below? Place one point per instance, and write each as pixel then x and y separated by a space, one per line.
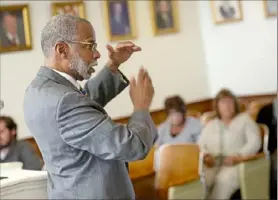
pixel 207 116
pixel 177 175
pixel 253 109
pixel 142 173
pixel 142 168
pixel 194 113
pixel 254 171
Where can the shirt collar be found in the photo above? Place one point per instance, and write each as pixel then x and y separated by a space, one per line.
pixel 69 78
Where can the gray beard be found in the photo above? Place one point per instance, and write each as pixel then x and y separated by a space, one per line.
pixel 79 66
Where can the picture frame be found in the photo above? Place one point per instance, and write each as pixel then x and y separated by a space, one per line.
pixel 15 28
pixel 270 8
pixel 226 11
pixel 164 15
pixel 120 19
pixel 75 8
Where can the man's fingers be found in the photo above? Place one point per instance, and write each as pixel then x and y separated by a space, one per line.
pixel 132 82
pixel 124 45
pixel 136 48
pixel 110 49
pixel 141 76
pixel 128 44
pixel 147 76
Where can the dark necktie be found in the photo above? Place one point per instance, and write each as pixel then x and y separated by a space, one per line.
pixel 82 90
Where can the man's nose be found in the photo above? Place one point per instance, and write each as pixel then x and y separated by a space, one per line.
pixel 96 54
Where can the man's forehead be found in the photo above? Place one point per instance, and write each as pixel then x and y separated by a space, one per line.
pixel 86 32
pixel 2 124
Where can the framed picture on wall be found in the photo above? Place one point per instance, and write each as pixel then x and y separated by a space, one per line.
pixel 75 8
pixel 270 8
pixel 15 30
pixel 120 19
pixel 164 16
pixel 225 11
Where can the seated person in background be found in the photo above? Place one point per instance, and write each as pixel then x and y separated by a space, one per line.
pixel 178 128
pixel 12 150
pixel 268 116
pixel 225 141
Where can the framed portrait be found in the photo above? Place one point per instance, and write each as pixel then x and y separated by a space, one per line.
pixel 75 8
pixel 120 19
pixel 164 16
pixel 225 11
pixel 15 28
pixel 270 8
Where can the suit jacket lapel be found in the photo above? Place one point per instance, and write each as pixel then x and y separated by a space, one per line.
pixel 49 73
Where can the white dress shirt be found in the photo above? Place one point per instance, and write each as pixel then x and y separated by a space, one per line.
pixel 69 78
pixel 3 153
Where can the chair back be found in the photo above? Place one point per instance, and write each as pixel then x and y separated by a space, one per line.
pixel 253 109
pixel 207 116
pixel 177 164
pixel 142 168
pixel 193 113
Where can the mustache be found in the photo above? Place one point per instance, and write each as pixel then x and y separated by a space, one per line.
pixel 93 64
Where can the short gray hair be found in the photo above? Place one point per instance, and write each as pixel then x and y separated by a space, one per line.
pixel 60 28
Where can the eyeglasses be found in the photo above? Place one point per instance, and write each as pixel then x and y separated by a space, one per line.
pixel 89 45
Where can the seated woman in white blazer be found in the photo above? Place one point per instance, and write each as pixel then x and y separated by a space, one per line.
pixel 224 141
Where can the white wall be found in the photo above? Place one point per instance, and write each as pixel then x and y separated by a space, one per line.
pixel 242 55
pixel 176 62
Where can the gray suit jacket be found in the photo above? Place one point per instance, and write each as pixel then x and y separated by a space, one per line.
pixel 83 149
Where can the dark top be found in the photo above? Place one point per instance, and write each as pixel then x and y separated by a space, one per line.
pixel 266 116
pixel 22 151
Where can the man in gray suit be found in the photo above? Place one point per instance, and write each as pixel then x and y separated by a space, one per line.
pixel 83 149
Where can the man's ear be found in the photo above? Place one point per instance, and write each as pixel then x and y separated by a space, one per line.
pixel 61 49
pixel 13 132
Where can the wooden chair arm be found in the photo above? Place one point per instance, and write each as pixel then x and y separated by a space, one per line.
pixel 162 193
pixel 182 181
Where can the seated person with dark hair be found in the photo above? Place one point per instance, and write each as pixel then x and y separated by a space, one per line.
pixel 178 128
pixel 268 116
pixel 12 150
